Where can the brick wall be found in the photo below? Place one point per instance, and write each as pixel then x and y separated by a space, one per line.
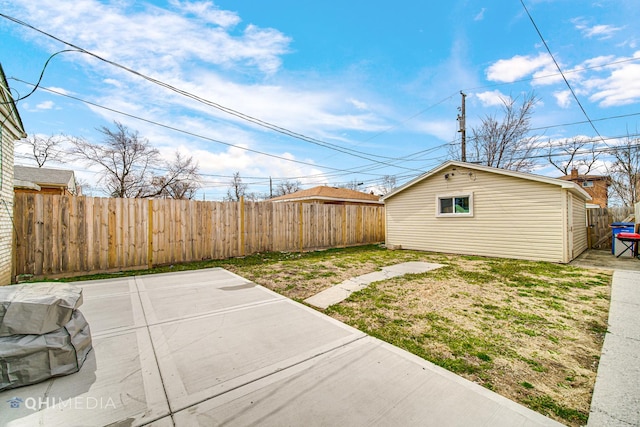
pixel 595 185
pixel 11 130
pixel 598 192
pixel 6 201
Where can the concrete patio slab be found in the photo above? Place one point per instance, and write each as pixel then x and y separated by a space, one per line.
pixel 616 395
pixel 205 291
pixel 207 356
pixel 164 422
pixel 228 350
pixel 342 387
pixel 342 291
pixel 103 298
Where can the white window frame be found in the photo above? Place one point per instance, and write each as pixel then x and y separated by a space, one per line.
pixel 587 184
pixel 454 214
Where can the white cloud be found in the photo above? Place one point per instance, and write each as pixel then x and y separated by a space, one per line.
pixel 621 87
pixel 601 32
pixel 59 90
pixel 303 111
pixel 149 38
pixel 209 13
pixel 517 67
pixel 248 165
pixel 611 81
pixel 358 104
pixel 491 98
pixel 173 47
pixel 45 105
pixel 548 75
pixel 599 61
pixel 480 15
pixel 113 82
pixel 563 98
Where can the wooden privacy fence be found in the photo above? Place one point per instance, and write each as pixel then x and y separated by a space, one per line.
pixel 599 220
pixel 65 235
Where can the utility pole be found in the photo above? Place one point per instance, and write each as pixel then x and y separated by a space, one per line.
pixel 463 128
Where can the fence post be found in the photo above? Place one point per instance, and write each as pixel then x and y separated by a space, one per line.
pixel 344 225
pixel 242 237
pixel 150 236
pixel 301 228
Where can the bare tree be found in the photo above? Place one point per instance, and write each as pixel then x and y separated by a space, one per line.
pixel 388 184
pixel 180 181
pixel 237 189
pixel 575 153
pixel 44 149
pixel 129 166
pixel 506 143
pixel 625 171
pixel 287 187
pixel 125 158
pixel 351 185
pixel 83 188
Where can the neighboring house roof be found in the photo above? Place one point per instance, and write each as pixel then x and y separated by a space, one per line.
pixel 26 185
pixel 586 178
pixel 7 98
pixel 571 186
pixel 45 177
pixel 331 194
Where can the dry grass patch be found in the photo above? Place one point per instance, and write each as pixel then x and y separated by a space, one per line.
pixel 531 331
pixel 299 276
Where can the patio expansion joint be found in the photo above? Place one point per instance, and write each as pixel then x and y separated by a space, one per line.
pixel 216 312
pixel 155 354
pixel 273 373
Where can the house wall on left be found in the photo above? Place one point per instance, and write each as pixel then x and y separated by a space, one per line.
pixel 11 130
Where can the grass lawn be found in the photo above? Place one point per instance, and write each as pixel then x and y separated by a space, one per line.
pixel 530 331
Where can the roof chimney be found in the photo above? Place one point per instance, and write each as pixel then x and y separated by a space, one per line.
pixel 574 173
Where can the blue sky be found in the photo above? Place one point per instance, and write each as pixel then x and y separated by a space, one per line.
pixel 379 80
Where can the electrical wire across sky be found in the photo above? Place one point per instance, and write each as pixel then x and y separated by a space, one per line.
pixel 378 165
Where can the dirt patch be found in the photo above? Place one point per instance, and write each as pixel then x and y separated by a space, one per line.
pixel 531 331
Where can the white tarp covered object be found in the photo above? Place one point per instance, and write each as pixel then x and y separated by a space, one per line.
pixel 42 334
pixel 28 359
pixel 37 308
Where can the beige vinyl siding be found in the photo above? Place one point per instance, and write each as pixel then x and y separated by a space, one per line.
pixel 512 217
pixel 580 243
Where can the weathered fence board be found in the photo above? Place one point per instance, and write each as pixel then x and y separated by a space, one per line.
pixel 65 236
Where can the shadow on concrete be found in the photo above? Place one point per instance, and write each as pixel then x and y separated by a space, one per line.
pixel 596 258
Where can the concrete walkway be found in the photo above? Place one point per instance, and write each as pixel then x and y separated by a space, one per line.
pixel 207 347
pixel 341 291
pixel 616 396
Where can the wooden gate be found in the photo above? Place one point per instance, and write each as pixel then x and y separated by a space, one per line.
pixel 599 221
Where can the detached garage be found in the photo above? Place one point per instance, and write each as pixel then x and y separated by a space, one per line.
pixel 464 208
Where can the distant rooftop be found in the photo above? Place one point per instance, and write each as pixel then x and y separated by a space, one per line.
pixel 43 176
pixel 323 193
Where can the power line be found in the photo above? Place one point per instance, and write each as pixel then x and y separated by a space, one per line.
pixel 44 68
pixel 337 171
pixel 621 116
pixel 548 76
pixel 230 111
pixel 560 70
pixel 173 128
